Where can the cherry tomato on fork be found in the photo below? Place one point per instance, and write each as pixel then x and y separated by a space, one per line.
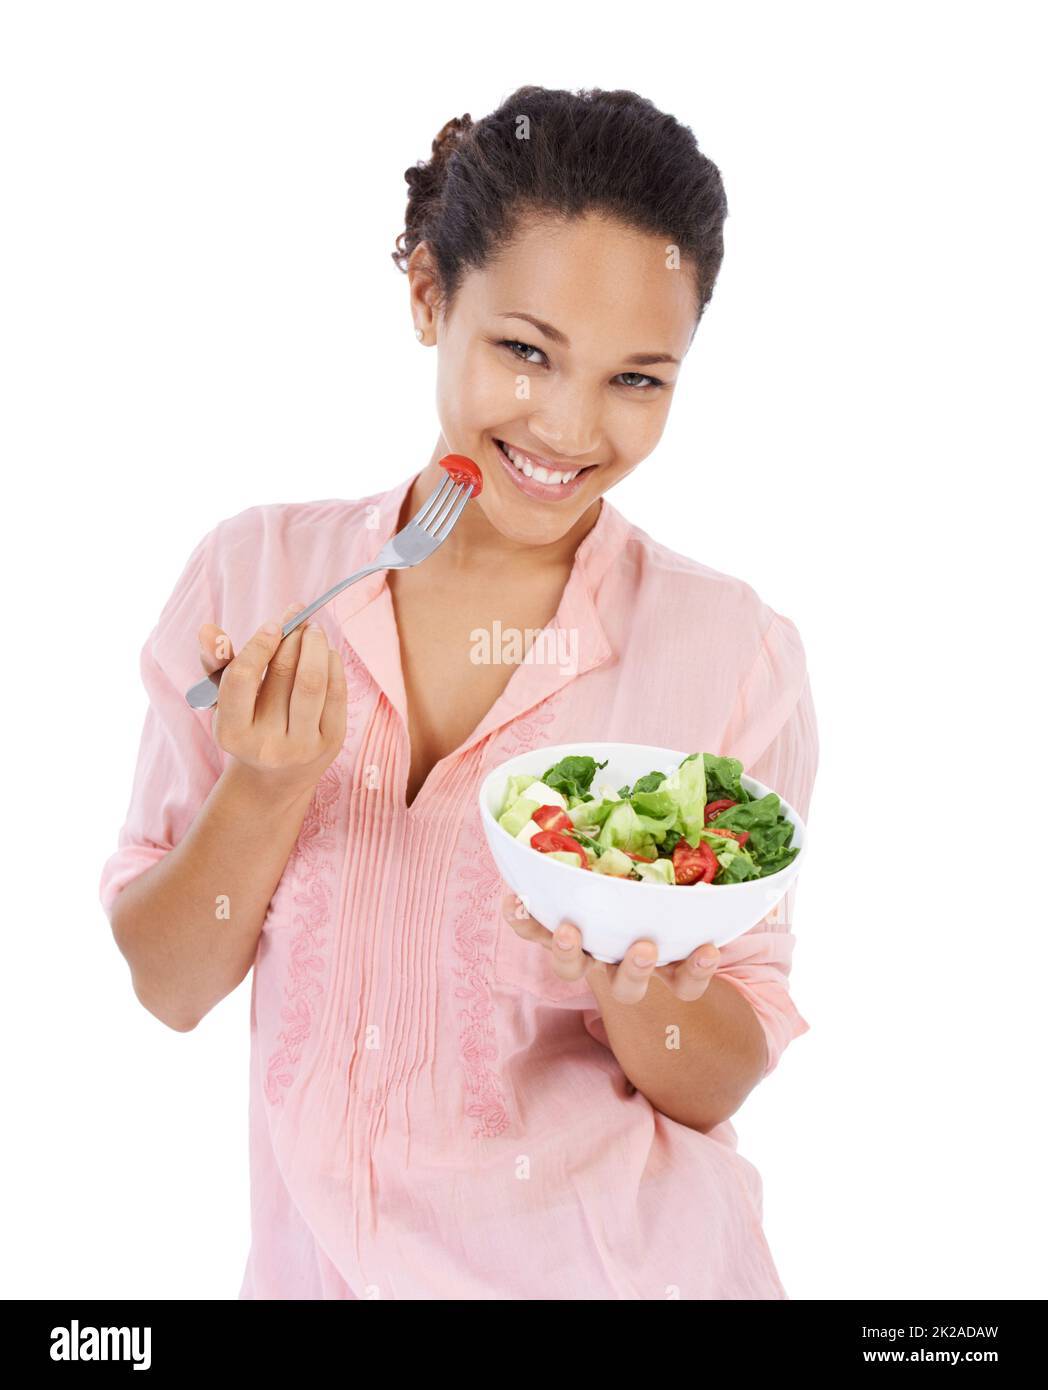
pixel 463 470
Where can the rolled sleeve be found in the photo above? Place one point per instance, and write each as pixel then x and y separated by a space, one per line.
pixel 178 761
pixel 774 734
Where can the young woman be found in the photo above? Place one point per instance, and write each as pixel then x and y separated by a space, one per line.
pixel 444 1103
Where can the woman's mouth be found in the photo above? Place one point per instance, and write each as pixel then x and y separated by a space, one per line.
pixel 537 480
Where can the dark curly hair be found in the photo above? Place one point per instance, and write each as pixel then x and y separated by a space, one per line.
pixel 563 153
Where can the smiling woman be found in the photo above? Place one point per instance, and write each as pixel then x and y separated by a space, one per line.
pixel 407 1047
pixel 554 249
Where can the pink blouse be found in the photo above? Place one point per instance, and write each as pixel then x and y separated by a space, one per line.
pixel 434 1114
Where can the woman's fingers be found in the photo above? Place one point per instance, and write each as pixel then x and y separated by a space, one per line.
pixel 240 681
pixel 282 704
pixel 570 961
pixel 309 691
pixel 629 979
pixel 515 911
pixel 689 978
pixel 271 707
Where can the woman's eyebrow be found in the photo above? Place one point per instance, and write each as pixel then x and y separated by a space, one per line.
pixel 642 359
pixel 554 334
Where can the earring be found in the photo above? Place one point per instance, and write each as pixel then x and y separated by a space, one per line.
pixel 418 334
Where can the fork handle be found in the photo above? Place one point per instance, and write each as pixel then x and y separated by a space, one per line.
pixel 204 695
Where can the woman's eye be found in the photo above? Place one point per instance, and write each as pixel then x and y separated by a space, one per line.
pixel 535 357
pixel 525 349
pixel 640 380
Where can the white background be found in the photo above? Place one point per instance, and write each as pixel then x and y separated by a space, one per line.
pixel 199 313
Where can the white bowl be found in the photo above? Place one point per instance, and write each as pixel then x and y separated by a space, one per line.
pixel 612 913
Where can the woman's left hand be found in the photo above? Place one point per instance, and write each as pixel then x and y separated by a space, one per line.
pixel 628 980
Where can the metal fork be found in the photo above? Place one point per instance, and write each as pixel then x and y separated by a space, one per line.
pixel 428 528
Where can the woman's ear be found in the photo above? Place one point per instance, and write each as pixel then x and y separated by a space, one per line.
pixel 424 293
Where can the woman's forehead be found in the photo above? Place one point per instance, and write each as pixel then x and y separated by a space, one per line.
pixel 594 281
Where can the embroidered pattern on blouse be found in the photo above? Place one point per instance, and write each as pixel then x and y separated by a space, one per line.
pixel 313 871
pixel 474 937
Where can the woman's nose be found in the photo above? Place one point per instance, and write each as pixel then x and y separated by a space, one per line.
pixel 568 426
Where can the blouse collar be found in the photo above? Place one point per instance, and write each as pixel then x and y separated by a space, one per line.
pixel 366 616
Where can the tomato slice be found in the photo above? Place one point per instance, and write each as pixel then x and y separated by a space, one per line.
pixel 638 857
pixel 553 818
pixel 463 470
pixel 710 864
pixel 716 807
pixel 694 865
pixel 687 867
pixel 547 840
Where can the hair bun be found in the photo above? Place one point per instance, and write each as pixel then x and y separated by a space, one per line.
pixel 450 136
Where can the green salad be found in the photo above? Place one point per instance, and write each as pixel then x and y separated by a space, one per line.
pixel 697 824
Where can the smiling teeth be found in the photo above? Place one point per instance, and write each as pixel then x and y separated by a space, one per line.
pixel 540 474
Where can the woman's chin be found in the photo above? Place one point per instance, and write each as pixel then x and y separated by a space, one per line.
pixel 519 524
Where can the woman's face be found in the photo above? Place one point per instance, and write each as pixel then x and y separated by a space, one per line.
pixel 565 350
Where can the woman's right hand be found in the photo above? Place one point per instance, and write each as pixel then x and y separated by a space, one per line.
pixel 283 725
